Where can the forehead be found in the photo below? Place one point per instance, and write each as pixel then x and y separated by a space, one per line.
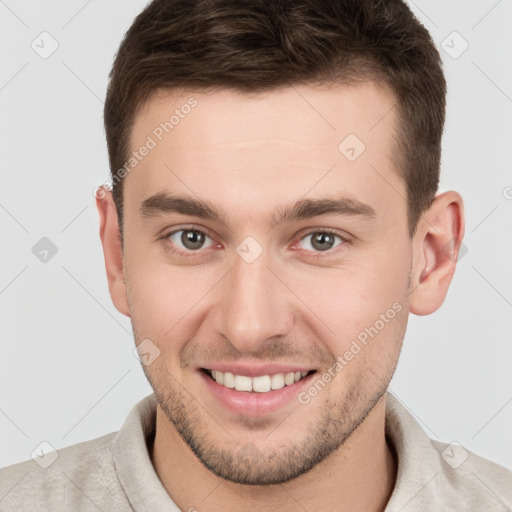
pixel 256 153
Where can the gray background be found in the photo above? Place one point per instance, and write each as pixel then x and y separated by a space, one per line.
pixel 67 369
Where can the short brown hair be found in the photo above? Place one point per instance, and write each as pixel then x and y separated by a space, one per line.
pixel 268 44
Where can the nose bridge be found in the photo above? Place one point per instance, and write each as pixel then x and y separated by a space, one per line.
pixel 254 305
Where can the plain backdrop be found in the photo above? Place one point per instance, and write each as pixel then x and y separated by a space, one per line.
pixel 67 369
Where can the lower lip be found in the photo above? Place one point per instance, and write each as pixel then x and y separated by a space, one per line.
pixel 254 404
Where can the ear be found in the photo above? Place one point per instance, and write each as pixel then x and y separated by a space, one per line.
pixel 112 248
pixel 436 248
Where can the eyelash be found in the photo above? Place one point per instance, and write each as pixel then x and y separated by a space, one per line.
pixel 192 254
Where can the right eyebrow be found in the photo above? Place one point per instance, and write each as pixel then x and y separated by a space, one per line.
pixel 161 203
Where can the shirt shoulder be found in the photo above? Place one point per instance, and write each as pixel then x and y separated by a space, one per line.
pixel 468 481
pixel 78 477
pixel 438 476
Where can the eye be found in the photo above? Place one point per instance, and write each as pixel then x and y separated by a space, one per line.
pixel 321 240
pixel 188 240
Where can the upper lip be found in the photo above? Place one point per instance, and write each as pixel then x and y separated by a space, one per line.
pixel 256 370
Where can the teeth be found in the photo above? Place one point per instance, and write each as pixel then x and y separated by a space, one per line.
pixel 229 380
pixel 289 378
pixel 277 381
pixel 243 383
pixel 260 384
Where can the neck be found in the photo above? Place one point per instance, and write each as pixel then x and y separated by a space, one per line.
pixel 359 476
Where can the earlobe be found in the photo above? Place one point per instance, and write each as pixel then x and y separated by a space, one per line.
pixel 436 248
pixel 112 250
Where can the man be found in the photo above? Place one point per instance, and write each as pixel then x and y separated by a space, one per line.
pixel 273 220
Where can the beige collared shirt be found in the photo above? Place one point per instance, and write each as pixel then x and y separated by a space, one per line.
pixel 115 473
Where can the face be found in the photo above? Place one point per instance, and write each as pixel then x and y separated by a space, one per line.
pixel 264 236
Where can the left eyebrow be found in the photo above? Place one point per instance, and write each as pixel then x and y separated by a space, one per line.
pixel 309 208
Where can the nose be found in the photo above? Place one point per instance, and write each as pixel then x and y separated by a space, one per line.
pixel 255 305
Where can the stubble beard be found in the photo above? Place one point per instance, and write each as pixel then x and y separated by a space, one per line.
pixel 265 463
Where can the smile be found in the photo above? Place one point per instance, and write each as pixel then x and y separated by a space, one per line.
pixel 259 384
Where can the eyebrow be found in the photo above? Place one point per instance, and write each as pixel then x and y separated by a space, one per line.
pixel 161 204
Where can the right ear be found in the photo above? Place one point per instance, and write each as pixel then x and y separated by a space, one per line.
pixel 112 248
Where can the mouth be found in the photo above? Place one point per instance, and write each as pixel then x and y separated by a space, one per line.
pixel 257 395
pixel 257 384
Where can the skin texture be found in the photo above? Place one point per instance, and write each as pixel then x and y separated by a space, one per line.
pixel 251 155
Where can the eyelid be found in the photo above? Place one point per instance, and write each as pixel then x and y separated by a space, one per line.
pixel 185 227
pixel 332 231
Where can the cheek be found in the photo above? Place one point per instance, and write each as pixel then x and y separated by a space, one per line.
pixel 350 300
pixel 165 299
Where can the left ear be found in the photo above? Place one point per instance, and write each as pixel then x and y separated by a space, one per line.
pixel 436 248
